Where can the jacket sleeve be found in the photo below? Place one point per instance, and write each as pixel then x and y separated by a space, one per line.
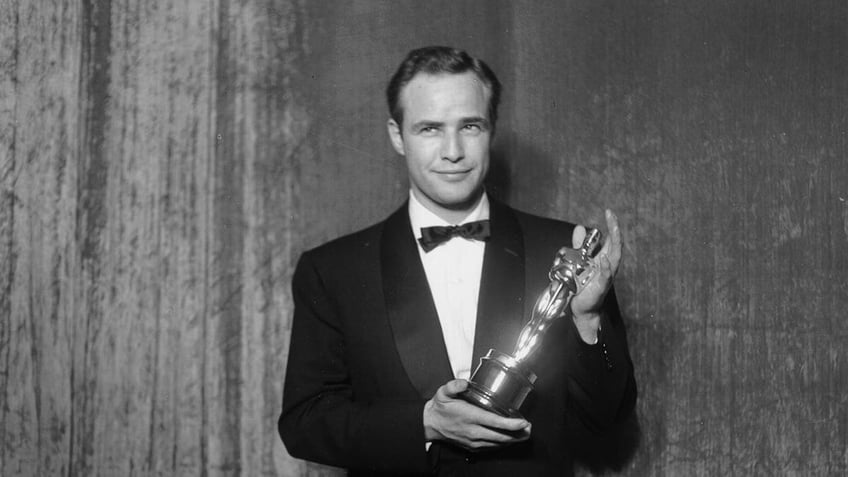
pixel 322 418
pixel 601 386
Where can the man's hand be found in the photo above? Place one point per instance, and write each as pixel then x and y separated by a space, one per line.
pixel 448 417
pixel 586 304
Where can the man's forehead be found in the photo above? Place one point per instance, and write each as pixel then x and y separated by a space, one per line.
pixel 423 79
pixel 426 88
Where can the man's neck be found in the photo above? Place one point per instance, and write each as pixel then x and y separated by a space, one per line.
pixel 452 216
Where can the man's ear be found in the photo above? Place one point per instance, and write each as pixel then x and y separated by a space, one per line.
pixel 396 136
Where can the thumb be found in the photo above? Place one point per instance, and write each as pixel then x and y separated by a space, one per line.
pixel 577 236
pixel 454 387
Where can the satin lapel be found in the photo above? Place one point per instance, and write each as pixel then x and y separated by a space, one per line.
pixel 499 310
pixel 409 304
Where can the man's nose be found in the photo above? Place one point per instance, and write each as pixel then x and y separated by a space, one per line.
pixel 452 149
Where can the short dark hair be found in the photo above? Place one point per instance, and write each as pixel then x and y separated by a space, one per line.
pixel 441 59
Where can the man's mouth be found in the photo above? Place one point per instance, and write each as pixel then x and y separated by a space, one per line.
pixel 457 172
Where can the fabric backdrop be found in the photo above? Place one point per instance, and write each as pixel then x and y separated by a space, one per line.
pixel 164 162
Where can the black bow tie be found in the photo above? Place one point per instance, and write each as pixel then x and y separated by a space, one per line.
pixel 432 237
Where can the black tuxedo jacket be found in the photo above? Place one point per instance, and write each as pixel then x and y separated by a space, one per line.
pixel 367 352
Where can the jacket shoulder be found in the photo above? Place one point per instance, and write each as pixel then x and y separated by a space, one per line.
pixel 537 228
pixel 349 247
pixel 537 221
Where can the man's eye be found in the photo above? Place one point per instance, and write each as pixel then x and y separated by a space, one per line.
pixel 473 127
pixel 428 129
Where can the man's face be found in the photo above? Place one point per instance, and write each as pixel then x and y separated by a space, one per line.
pixel 445 138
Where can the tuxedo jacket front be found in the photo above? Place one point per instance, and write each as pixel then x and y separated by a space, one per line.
pixel 367 352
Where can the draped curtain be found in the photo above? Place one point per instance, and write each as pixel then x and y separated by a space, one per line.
pixel 163 163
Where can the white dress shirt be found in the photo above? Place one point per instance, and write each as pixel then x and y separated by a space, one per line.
pixel 453 272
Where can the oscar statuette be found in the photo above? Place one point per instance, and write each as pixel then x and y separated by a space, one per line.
pixel 501 382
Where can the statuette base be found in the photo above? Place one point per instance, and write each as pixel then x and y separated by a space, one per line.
pixel 499 384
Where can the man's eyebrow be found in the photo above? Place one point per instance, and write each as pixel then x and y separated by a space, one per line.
pixel 467 120
pixel 475 119
pixel 426 123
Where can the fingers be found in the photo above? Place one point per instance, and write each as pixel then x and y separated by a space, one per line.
pixel 493 421
pixel 482 437
pixel 610 255
pixel 614 247
pixel 452 389
pixel 612 242
pixel 485 429
pixel 597 282
pixel 472 414
pixel 451 418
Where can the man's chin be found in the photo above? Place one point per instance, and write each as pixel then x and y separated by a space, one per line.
pixel 465 202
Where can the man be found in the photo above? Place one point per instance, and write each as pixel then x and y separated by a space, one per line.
pixel 387 325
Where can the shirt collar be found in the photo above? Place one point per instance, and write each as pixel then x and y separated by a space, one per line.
pixel 420 216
